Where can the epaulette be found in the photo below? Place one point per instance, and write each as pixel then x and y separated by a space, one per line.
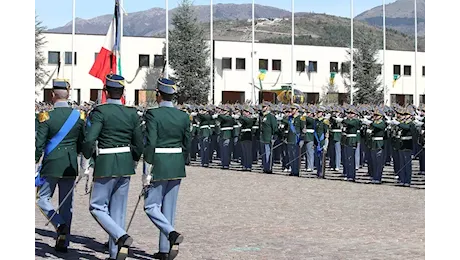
pixel 327 122
pixel 43 116
pixel 82 115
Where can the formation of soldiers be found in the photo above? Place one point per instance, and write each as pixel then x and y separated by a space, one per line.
pixel 351 136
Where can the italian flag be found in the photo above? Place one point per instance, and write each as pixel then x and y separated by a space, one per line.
pixel 108 59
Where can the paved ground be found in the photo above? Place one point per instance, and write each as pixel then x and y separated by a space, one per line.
pixel 238 215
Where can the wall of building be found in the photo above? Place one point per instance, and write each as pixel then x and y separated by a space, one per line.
pixel 227 79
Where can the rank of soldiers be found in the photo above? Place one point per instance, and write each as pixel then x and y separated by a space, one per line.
pixel 112 138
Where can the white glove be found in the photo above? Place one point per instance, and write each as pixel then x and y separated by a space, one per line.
pixel 146 178
pixel 338 120
pixel 84 164
pixel 395 122
pixel 388 122
pixel 236 116
pixel 326 144
pixel 193 113
pixel 139 113
pixel 304 130
pixel 369 131
pixel 419 118
pixel 327 116
pixel 37 165
pixel 215 116
pixel 418 123
pixel 301 143
pixel 422 132
pixel 83 173
pixel 148 168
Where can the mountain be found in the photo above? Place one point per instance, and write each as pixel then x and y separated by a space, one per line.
pixel 231 23
pixel 399 16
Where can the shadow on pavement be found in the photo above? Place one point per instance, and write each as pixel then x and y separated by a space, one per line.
pixel 44 250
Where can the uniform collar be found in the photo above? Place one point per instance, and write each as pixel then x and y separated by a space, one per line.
pixel 61 104
pixel 114 101
pixel 166 104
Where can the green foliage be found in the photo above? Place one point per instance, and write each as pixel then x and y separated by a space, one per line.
pixel 367 88
pixel 189 53
pixel 40 71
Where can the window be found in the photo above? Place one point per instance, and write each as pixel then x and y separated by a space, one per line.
pixel 95 55
pixel 263 64
pixel 300 65
pixel 68 58
pixel 312 66
pixel 144 60
pixel 226 63
pixel 423 71
pixel 158 61
pixel 334 67
pixel 407 70
pixel 53 57
pixel 396 69
pixel 240 63
pixel 276 65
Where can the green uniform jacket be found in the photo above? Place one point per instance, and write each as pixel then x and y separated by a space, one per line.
pixel 407 132
pixel 205 129
pixel 268 128
pixel 236 128
pixel 298 125
pixel 353 125
pixel 321 128
pixel 167 127
pixel 226 126
pixel 378 134
pixel 284 128
pixel 246 128
pixel 114 125
pixel 336 131
pixel 309 136
pixel 62 161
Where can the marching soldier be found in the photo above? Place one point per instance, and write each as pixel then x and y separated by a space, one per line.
pixel 120 144
pixel 268 128
pixel 256 136
pixel 352 124
pixel 246 139
pixel 377 133
pixel 226 130
pixel 335 146
pixel 168 138
pixel 204 119
pixel 321 135
pixel 59 134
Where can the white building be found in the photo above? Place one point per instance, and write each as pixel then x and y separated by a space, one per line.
pixel 232 78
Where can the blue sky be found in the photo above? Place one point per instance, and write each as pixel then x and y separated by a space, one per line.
pixel 55 13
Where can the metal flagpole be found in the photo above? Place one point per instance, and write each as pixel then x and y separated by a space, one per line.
pixel 72 95
pixel 253 98
pixel 212 50
pixel 415 69
pixel 292 51
pixel 167 39
pixel 386 100
pixel 351 53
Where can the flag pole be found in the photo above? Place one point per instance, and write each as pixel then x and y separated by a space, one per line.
pixel 292 51
pixel 351 53
pixel 416 101
pixel 72 96
pixel 167 39
pixel 211 87
pixel 121 14
pixel 386 100
pixel 253 98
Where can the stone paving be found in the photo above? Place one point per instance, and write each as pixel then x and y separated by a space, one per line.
pixel 241 215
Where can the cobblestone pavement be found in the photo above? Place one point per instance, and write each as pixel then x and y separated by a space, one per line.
pixel 241 215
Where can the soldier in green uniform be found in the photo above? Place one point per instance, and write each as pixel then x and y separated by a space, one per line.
pixel 246 138
pixel 376 133
pixel 336 136
pixel 236 148
pixel 120 144
pixel 203 117
pixel 168 138
pixel 295 126
pixel 268 128
pixel 352 125
pixel 310 139
pixel 321 135
pixel 59 137
pixel 284 131
pixel 407 129
pixel 226 135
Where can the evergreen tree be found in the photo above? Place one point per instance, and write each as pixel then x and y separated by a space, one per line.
pixel 189 54
pixel 40 71
pixel 367 87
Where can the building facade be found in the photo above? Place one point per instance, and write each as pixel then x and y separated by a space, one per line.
pixel 312 66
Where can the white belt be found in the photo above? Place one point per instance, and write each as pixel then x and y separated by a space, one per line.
pixel 358 131
pixel 255 127
pixel 124 149
pixel 226 128
pixel 287 131
pixel 246 130
pixel 351 135
pixel 194 125
pixel 204 126
pixel 336 130
pixel 168 150
pixel 236 126
pixel 406 138
pixel 310 130
pixel 377 138
pixel 212 125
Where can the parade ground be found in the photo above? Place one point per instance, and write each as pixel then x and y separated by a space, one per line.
pixel 250 215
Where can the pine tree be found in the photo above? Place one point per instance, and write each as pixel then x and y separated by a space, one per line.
pixel 188 54
pixel 367 87
pixel 40 71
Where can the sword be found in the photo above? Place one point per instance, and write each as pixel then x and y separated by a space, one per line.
pixel 143 191
pixel 65 198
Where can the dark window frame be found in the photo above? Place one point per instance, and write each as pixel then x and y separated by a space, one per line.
pixel 142 63
pixel 158 61
pixel 266 64
pixel 58 57
pixel 300 66
pixel 224 64
pixel 396 68
pixel 239 62
pixel 274 68
pixel 66 62
pixel 315 66
pixel 333 67
pixel 407 72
